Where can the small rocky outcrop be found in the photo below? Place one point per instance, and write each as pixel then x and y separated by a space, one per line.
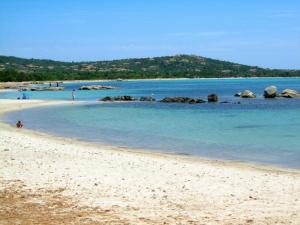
pixel 238 94
pixel 182 100
pixel 147 99
pixel 247 94
pixel 96 87
pixel 212 98
pixel 124 98
pixel 289 93
pixel 107 99
pixel 118 98
pixel 42 89
pixel 54 89
pixel 270 92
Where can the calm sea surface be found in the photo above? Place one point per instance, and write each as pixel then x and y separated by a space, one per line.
pixel 257 130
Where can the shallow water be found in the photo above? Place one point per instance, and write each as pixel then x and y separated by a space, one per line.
pixel 161 88
pixel 257 130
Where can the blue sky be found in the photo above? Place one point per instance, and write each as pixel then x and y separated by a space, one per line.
pixel 257 32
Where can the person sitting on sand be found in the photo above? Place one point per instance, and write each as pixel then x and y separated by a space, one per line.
pixel 19 124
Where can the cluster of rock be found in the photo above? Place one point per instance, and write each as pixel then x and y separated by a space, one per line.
pixel 127 98
pixel 210 98
pixel 270 92
pixel 182 100
pixel 147 99
pixel 42 89
pixel 118 98
pixel 96 87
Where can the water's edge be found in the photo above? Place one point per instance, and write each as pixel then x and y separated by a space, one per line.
pixel 229 162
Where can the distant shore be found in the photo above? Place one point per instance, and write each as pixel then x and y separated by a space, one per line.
pixel 119 185
pixel 3 84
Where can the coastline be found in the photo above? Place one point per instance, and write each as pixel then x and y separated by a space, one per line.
pixel 150 79
pixel 18 105
pixel 144 187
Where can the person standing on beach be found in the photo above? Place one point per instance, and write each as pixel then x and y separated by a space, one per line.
pixel 73 94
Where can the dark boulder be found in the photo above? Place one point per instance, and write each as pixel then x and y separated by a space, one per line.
pixel 118 98
pixel 238 94
pixel 147 99
pixel 124 98
pixel 107 99
pixel 182 100
pixel 212 98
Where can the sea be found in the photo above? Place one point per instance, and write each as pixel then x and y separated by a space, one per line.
pixel 260 131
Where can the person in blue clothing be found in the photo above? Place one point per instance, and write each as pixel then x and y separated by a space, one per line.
pixel 73 94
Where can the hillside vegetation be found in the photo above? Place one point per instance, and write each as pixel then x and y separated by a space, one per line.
pixel 179 66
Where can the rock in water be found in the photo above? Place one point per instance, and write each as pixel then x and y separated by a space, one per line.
pixel 147 99
pixel 270 92
pixel 55 89
pixel 212 98
pixel 238 94
pixel 96 87
pixel 248 94
pixel 124 98
pixel 107 99
pixel 289 93
pixel 118 98
pixel 182 100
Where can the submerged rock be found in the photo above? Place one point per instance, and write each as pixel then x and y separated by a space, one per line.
pixel 289 93
pixel 147 99
pixel 182 100
pixel 247 94
pixel 96 87
pixel 270 92
pixel 212 98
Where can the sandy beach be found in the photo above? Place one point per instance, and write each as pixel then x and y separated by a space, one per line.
pixel 54 180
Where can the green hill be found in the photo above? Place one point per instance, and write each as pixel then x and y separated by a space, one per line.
pixel 179 66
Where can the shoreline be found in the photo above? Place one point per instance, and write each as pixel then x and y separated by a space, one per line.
pixel 141 187
pixel 41 103
pixel 2 84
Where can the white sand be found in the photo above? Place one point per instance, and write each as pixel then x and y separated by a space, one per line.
pixel 148 188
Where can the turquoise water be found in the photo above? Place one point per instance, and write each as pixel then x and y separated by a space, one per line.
pixel 257 130
pixel 161 88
